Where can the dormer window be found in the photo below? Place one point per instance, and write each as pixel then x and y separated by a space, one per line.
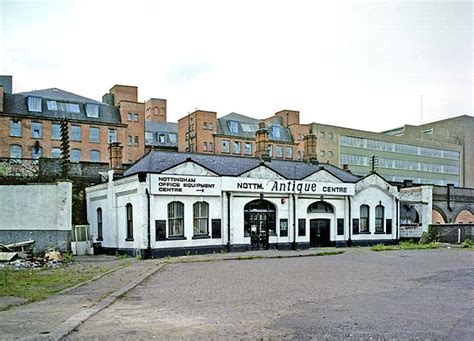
pixel 52 105
pixel 276 132
pixel 148 136
pixel 92 110
pixel 34 104
pixel 233 127
pixel 69 107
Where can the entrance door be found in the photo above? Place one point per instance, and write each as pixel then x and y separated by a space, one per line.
pixel 259 223
pixel 259 230
pixel 319 232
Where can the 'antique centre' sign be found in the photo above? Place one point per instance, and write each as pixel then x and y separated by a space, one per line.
pixel 286 186
pixel 185 185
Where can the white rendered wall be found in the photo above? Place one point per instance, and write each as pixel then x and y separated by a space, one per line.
pixel 38 207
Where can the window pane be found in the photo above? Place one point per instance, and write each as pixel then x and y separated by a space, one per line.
pixel 52 105
pixel 34 104
pixel 15 151
pixel 172 138
pixel 94 134
pixel 236 147
pixel 94 155
pixel 36 130
pixel 75 155
pixel 56 153
pixel 225 145
pixel 270 150
pixel 135 117
pixel 75 133
pixel 233 127
pixel 279 151
pixel 162 137
pixel 15 128
pixel 36 152
pixel 92 110
pixel 55 131
pixel 112 135
pixel 148 137
pixel 248 149
pixel 288 152
pixel 276 132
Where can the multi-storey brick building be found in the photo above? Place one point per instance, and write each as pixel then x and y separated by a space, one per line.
pixel 30 123
pixel 234 134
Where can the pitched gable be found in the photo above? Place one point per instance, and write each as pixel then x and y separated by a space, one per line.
pixel 189 168
pixel 322 176
pixel 261 172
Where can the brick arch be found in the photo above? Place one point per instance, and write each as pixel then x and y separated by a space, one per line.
pixel 438 216
pixel 464 216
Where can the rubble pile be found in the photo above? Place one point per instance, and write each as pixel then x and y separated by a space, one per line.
pixel 20 256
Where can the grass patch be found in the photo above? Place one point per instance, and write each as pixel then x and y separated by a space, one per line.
pixel 409 245
pixel 327 253
pixel 38 284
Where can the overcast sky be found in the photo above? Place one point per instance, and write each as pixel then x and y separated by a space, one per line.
pixel 348 63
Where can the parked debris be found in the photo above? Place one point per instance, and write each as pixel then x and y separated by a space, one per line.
pixel 20 256
pixel 7 256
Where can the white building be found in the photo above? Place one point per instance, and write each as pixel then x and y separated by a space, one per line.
pixel 173 203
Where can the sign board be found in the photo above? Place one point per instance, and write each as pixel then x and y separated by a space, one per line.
pixel 286 186
pixel 185 185
pixel 214 186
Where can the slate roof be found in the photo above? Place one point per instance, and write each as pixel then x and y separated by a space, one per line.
pixel 223 165
pixel 223 128
pixel 17 104
pixel 161 127
pixel 59 95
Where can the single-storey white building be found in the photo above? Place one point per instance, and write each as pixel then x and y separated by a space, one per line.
pixel 171 203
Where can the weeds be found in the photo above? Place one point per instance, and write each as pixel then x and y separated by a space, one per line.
pixel 408 245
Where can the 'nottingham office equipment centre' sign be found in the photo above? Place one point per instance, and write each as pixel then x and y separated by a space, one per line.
pixel 185 185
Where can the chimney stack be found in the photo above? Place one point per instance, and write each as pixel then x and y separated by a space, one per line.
pixel 115 160
pixel 310 154
pixel 345 168
pixel 261 138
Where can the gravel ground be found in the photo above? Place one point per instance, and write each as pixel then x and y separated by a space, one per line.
pixel 426 294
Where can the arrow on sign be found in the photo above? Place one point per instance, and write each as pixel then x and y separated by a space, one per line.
pixel 200 190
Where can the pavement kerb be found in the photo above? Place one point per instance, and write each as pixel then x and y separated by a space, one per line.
pixel 95 278
pixel 77 319
pixel 251 257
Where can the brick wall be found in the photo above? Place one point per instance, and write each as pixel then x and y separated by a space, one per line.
pixel 453 233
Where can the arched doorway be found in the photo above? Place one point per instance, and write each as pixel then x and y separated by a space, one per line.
pixel 464 217
pixel 319 228
pixel 259 223
pixel 437 218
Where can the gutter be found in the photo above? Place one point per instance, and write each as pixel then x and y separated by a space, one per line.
pixel 228 221
pixel 294 222
pixel 148 227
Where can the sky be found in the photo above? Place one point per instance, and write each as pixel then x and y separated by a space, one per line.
pixel 370 65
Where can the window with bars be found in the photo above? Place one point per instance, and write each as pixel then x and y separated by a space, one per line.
pixel 379 219
pixel 364 219
pixel 99 224
pixel 129 216
pixel 175 219
pixel 201 218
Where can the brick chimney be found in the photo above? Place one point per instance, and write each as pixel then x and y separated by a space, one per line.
pixel 345 168
pixel 115 160
pixel 261 139
pixel 310 153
